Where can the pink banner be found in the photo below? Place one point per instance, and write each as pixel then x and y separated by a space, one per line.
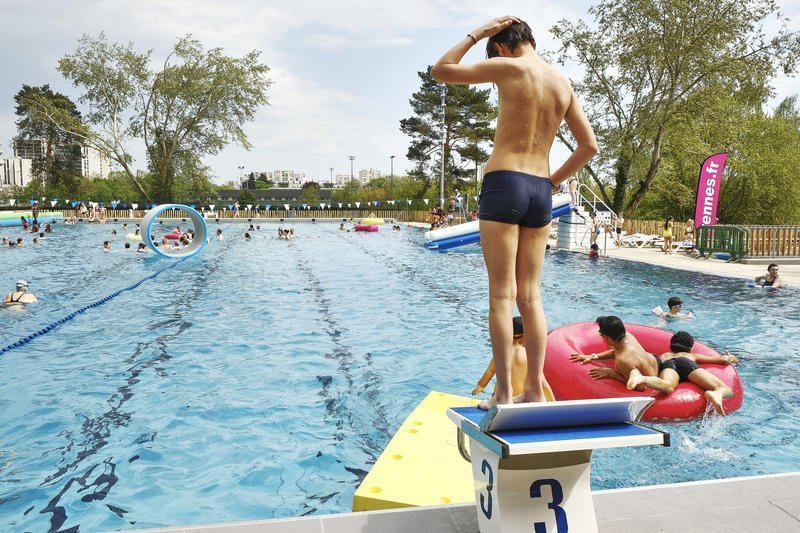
pixel 705 212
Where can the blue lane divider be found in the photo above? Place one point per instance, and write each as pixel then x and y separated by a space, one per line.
pixel 47 329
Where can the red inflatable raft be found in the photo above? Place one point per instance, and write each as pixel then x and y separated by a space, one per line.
pixel 366 227
pixel 571 381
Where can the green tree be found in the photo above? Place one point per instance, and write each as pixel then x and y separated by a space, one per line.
pixel 245 198
pixel 652 66
pixel 347 194
pixel 310 192
pixel 761 185
pixel 195 104
pixel 467 130
pixel 60 160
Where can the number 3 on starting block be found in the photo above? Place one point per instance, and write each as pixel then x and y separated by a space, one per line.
pixel 542 493
pixel 530 462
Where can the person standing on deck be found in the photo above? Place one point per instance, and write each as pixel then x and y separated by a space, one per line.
pixel 515 201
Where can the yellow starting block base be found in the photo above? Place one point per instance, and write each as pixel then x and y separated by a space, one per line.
pixel 421 465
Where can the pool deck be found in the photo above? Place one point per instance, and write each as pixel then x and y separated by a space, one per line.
pixel 654 256
pixel 789 273
pixel 761 503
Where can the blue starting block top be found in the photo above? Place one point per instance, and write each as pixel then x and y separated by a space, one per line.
pixel 521 429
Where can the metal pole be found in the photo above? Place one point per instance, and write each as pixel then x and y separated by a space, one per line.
pixel 441 178
pixel 391 175
pixel 241 171
pixel 351 158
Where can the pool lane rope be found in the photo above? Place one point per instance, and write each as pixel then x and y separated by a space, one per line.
pixel 47 329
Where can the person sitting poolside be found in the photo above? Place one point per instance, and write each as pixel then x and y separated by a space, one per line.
pixel 772 279
pixel 674 306
pixel 519 365
pixel 626 351
pixel 680 364
pixel 20 296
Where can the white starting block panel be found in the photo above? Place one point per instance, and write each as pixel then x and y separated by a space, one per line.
pixel 530 462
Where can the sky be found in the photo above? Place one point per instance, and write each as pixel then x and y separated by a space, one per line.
pixel 343 71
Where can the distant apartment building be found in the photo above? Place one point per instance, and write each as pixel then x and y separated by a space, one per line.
pixel 16 172
pixel 84 160
pixel 282 179
pixel 365 175
pixel 340 180
pixel 94 164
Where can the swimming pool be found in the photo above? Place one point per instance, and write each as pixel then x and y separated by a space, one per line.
pixel 262 378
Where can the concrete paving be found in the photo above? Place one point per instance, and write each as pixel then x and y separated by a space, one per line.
pixel 682 261
pixel 762 503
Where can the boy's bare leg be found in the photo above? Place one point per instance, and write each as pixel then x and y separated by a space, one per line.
pixel 530 257
pixel 499 244
pixel 716 390
pixel 666 382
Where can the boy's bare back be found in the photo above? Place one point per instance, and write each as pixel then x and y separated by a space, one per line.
pixel 534 99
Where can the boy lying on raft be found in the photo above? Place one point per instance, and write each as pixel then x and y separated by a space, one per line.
pixel 680 364
pixel 637 368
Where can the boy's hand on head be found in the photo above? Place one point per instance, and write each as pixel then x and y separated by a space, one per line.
pixel 494 26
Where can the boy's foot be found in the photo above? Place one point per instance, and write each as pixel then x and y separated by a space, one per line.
pixel 526 398
pixel 635 379
pixel 714 397
pixel 491 402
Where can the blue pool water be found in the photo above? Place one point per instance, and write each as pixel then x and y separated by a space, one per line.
pixel 262 379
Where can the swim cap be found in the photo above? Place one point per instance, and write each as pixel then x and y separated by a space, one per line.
pixel 22 283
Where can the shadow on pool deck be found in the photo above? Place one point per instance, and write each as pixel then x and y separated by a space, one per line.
pixel 762 503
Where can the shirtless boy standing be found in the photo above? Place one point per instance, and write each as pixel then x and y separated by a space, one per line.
pixel 515 201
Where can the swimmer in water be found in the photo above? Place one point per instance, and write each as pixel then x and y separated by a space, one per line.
pixel 107 246
pixel 674 304
pixel 20 295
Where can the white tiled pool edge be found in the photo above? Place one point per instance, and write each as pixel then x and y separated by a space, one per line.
pixel 765 502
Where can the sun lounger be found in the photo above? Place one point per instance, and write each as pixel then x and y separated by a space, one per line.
pixel 639 240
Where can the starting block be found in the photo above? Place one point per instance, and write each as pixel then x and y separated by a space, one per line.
pixel 530 462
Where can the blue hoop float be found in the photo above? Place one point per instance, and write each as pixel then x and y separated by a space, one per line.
pixel 200 231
